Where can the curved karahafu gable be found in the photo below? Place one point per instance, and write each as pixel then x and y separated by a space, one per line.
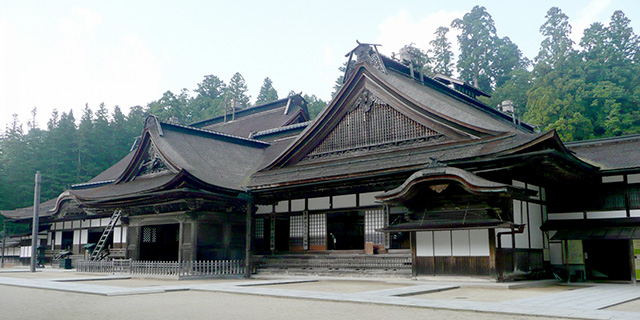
pixel 440 177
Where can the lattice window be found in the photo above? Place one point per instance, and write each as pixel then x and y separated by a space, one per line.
pixel 296 231
pixel 372 122
pixel 374 219
pixel 317 229
pixel 149 235
pixel 259 230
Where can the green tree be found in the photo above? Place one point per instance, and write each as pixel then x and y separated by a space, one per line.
pixel 209 101
pixel 418 58
pixel 172 107
pixel 557 46
pixel 236 93
pixel 314 105
pixel 442 60
pixel 267 92
pixel 477 45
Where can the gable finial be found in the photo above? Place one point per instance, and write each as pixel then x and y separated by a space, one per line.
pixel 365 53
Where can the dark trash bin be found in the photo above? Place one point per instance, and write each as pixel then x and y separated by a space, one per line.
pixel 65 263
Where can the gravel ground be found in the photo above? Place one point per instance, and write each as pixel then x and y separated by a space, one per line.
pixel 25 303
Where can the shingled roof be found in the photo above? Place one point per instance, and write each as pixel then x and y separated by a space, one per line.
pixel 271 115
pixel 610 154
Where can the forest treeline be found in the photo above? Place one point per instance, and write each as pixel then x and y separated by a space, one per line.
pixel 583 90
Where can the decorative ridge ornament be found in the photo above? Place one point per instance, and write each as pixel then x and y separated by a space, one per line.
pixel 152 163
pixel 367 53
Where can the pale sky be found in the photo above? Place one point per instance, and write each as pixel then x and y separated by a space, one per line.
pixel 65 54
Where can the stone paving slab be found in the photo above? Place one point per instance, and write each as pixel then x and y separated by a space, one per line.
pixel 589 298
pixel 77 287
pixel 488 307
pixel 552 305
pixel 412 290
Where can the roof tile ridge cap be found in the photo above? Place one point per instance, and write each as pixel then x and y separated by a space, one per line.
pixel 283 128
pixel 216 133
pixel 241 110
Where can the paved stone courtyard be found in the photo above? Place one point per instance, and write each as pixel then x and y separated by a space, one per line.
pixel 54 294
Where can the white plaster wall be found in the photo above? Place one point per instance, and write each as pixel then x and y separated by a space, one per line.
pixel 264 209
pixel 86 223
pixel 319 203
pixel 124 234
pixel 67 225
pixel 535 222
pixel 58 238
pixel 117 235
pixel 555 253
pixel 565 216
pixel 633 178
pixel 520 217
pixel 442 243
pixel 506 239
pixel 610 179
pixel 460 243
pixel 479 242
pixel 297 205
pixel 344 201
pixel 76 237
pixel 424 244
pixel 369 198
pixel 607 214
pixel 282 206
pixel 84 236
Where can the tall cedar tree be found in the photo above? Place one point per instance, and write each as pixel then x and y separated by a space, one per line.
pixel 442 56
pixel 236 92
pixel 267 92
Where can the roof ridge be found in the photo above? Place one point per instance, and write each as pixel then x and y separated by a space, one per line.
pixel 579 143
pixel 283 128
pixel 217 133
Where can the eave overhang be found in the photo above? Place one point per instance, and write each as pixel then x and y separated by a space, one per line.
pixel 443 176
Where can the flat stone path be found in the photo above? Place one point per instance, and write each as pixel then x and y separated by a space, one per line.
pixel 590 298
pixel 582 303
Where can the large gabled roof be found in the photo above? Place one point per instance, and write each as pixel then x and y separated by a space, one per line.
pixel 248 121
pixel 181 154
pixel 610 154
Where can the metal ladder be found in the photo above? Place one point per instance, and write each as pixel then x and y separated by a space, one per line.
pixel 105 234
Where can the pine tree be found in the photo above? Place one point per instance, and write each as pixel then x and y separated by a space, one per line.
pixel 442 56
pixel 267 92
pixel 236 93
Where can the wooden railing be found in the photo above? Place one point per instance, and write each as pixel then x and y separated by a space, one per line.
pixel 337 264
pixel 168 269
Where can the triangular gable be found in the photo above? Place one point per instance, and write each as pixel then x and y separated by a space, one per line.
pixel 366 114
pixel 148 160
pixel 370 121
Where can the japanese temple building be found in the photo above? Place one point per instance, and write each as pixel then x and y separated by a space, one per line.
pixel 411 164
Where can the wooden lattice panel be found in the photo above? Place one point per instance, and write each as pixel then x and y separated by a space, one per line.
pixel 371 123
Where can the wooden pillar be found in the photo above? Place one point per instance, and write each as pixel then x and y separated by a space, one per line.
pixel 493 257
pixel 248 238
pixel 632 264
pixel 180 238
pixel 414 255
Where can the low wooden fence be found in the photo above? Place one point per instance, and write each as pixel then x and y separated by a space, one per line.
pixel 165 269
pixel 380 264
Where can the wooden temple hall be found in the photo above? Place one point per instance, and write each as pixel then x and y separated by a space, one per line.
pixel 399 165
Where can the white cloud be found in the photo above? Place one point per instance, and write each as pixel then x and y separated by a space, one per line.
pixel 69 64
pixel 403 29
pixel 586 16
